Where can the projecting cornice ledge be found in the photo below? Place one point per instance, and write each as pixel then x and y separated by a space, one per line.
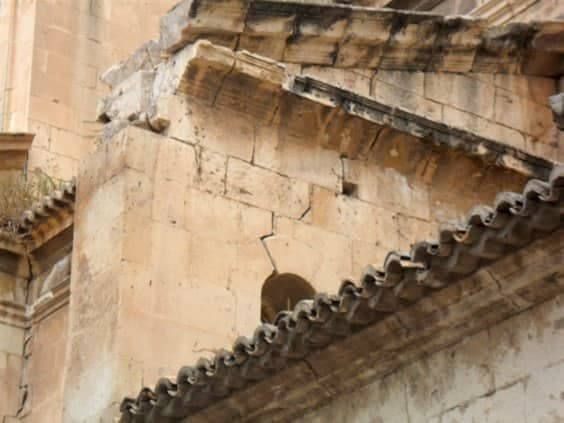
pixel 346 36
pixel 421 127
pixel 260 88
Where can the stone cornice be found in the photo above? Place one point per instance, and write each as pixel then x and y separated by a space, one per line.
pixel 321 33
pixel 260 88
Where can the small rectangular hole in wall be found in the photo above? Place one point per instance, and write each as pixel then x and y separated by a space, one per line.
pixel 350 189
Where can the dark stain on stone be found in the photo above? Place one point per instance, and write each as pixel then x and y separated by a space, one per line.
pixel 445 31
pixel 559 324
pixel 194 8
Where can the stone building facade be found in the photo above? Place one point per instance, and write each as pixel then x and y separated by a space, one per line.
pixel 242 170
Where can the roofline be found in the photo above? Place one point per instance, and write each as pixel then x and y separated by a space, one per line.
pixel 488 235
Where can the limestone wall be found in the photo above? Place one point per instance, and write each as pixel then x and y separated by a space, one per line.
pixel 510 109
pixel 11 349
pixel 16 53
pixel 12 333
pixel 44 368
pixel 177 232
pixel 61 48
pixel 6 23
pixel 33 333
pixel 511 372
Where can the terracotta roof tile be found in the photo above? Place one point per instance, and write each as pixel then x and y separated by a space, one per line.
pixel 54 212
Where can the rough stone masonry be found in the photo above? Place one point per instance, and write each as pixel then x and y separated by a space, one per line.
pixel 403 166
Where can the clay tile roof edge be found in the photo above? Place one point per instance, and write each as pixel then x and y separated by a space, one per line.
pixel 487 234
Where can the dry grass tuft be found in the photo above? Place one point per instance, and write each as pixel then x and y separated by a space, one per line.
pixel 19 193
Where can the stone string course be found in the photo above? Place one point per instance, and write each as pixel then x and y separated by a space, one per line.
pixel 239 171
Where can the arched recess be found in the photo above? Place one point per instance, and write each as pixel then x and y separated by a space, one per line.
pixel 282 291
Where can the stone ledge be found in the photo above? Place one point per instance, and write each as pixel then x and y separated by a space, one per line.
pixel 260 88
pixel 325 33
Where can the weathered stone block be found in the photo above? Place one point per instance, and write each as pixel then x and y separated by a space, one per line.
pixel 543 395
pixel 388 188
pixel 380 402
pixel 397 96
pixel 154 349
pixel 222 219
pixel 179 26
pixel 170 248
pixel 296 157
pixel 195 302
pixel 528 343
pixel 130 100
pixel 352 80
pixel 212 170
pixel 365 253
pixel 524 115
pixel 506 404
pixel 266 189
pixel 66 143
pixel 54 114
pixel 176 162
pixel 57 166
pixel 321 257
pixel 409 81
pixel 353 218
pixel 533 88
pixel 217 129
pixel 464 92
pixel 412 230
pixel 452 376
pixel 132 148
pixel 483 127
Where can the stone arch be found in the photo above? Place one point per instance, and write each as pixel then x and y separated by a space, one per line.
pixel 282 291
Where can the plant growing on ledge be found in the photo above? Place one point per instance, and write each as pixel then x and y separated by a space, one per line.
pixel 19 193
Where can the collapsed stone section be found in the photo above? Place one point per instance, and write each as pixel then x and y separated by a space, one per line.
pixel 325 33
pixel 146 57
pixel 262 89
